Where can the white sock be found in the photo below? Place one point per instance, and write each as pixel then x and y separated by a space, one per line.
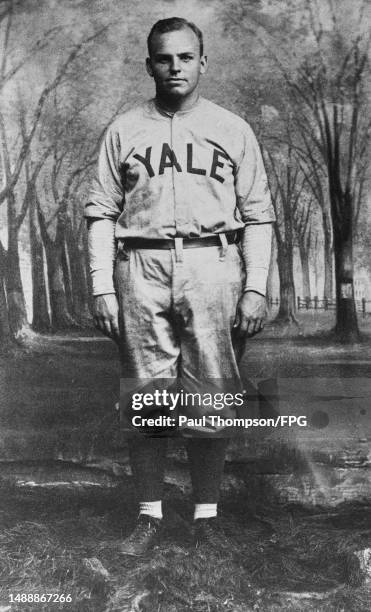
pixel 205 511
pixel 152 508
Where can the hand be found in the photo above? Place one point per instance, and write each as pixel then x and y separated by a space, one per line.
pixel 251 314
pixel 106 310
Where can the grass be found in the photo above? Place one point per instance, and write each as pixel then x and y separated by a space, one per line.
pixel 281 559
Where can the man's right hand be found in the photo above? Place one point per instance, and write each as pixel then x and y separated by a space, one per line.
pixel 106 310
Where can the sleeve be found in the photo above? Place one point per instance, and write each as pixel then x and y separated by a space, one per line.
pixel 256 252
pixel 106 195
pixel 101 247
pixel 251 183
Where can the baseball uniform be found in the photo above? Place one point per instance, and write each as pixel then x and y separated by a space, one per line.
pixel 179 177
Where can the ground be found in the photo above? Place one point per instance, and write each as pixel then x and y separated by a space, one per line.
pixel 61 535
pixel 277 560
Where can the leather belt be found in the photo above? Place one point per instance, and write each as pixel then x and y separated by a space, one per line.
pixel 188 243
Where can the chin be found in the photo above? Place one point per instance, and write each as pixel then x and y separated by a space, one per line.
pixel 178 91
pixel 175 93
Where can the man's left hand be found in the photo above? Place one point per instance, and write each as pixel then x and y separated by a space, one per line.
pixel 250 315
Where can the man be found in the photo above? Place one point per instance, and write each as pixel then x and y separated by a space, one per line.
pixel 180 182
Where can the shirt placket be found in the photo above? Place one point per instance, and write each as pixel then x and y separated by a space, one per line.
pixel 180 213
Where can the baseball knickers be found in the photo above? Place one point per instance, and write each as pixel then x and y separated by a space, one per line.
pixel 176 310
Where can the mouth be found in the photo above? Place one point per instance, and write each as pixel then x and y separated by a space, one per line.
pixel 175 80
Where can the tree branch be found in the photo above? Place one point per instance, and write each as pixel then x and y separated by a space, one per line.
pixel 39 107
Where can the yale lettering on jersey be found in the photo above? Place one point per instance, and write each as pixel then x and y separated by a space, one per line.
pixel 168 159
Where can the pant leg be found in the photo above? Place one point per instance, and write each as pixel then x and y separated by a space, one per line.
pixel 149 346
pixel 208 288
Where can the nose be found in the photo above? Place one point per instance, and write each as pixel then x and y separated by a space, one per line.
pixel 175 65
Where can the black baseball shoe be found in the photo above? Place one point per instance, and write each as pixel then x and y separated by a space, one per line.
pixel 207 531
pixel 142 538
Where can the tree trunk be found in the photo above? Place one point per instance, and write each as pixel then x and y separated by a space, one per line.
pixel 271 271
pixel 346 317
pixel 67 281
pixel 82 301
pixel 40 319
pixel 286 312
pixel 80 294
pixel 304 260
pixel 328 256
pixel 16 303
pixel 5 332
pixel 285 261
pixel 60 316
pixel 87 270
pixel 316 266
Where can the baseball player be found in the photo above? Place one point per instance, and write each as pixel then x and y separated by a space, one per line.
pixel 179 225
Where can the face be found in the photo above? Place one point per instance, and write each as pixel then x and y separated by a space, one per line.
pixel 175 63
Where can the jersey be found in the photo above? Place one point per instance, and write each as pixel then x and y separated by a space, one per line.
pixel 191 173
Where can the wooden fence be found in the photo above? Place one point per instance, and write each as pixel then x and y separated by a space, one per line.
pixel 363 305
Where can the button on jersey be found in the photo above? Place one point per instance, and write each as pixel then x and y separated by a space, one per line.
pixel 192 173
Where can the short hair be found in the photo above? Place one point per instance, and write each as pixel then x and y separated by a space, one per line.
pixel 173 24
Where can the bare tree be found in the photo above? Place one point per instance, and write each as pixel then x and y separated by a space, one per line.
pixel 288 184
pixel 55 249
pixel 314 170
pixel 325 86
pixel 329 102
pixel 15 157
pixel 305 232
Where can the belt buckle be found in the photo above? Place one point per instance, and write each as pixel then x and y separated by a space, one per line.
pixel 122 250
pixel 178 243
pixel 120 245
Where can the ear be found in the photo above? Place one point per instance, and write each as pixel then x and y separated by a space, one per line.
pixel 149 66
pixel 203 64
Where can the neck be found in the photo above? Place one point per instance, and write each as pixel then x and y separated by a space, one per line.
pixel 174 104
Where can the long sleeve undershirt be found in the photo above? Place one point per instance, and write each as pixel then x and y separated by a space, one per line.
pixel 102 253
pixel 255 245
pixel 256 253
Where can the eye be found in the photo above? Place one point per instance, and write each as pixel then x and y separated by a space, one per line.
pixel 162 59
pixel 186 58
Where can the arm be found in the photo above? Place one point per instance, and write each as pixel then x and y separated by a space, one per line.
pixel 103 207
pixel 256 252
pixel 254 203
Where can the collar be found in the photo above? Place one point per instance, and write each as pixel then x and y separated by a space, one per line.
pixel 157 108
